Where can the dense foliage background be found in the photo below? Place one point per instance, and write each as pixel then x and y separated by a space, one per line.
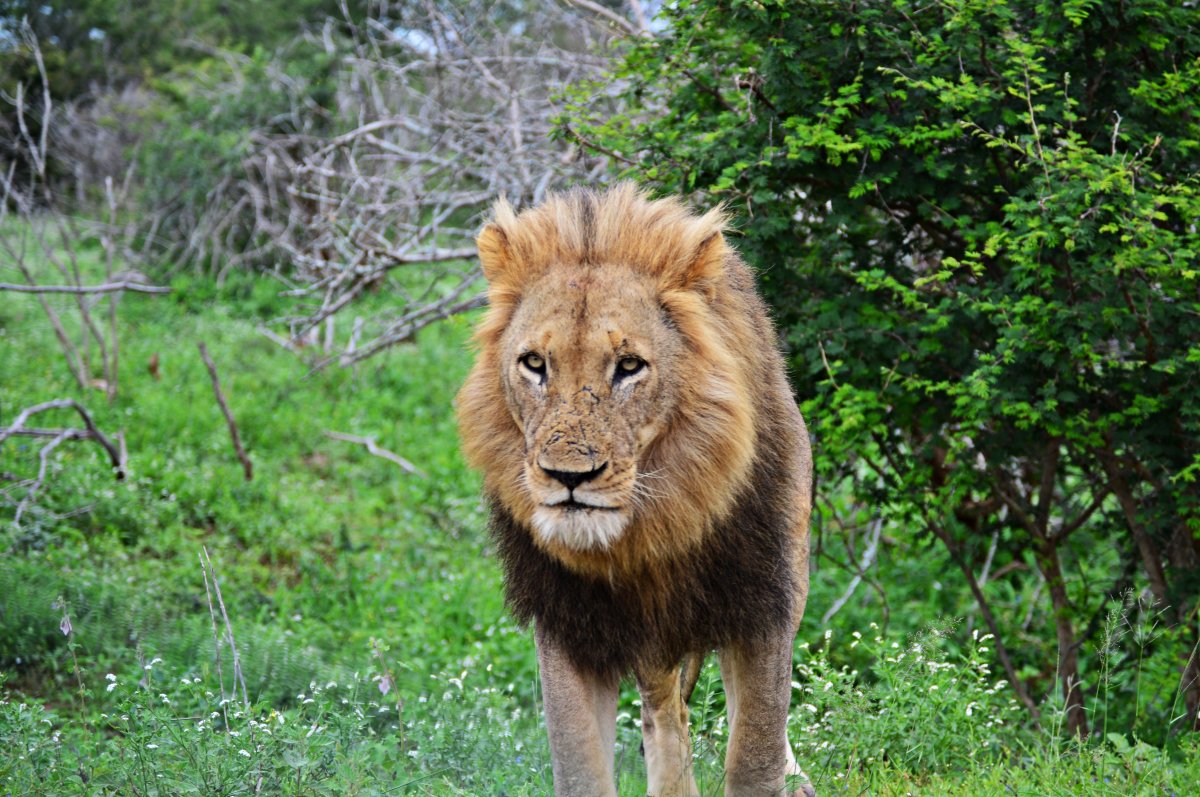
pixel 976 223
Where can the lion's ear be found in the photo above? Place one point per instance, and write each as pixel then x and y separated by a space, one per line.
pixel 702 270
pixel 495 254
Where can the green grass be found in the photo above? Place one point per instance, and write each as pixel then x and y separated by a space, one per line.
pixel 366 604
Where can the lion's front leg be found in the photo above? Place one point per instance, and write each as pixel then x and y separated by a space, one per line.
pixel 665 734
pixel 757 693
pixel 581 719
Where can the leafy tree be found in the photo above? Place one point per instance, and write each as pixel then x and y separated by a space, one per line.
pixel 976 221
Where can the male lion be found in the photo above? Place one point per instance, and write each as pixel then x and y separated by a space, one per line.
pixel 649 478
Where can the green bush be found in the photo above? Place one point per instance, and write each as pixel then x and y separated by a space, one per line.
pixel 976 222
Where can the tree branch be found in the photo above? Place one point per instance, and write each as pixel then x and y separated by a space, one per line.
pixel 233 430
pixel 108 287
pixel 18 429
pixel 382 453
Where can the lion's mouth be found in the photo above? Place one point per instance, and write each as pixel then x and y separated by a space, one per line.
pixel 579 525
pixel 571 505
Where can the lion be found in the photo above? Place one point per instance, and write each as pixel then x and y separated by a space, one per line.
pixel 649 478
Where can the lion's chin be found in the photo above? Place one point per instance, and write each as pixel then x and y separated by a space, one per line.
pixel 579 529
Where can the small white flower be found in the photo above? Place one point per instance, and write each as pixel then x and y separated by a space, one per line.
pixel 151 746
pixel 244 753
pixel 110 677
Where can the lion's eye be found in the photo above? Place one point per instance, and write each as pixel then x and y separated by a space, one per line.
pixel 628 366
pixel 534 362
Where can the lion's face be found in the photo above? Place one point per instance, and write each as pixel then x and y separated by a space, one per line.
pixel 589 365
pixel 610 407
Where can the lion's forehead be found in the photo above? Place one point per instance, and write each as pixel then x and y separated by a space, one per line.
pixel 589 297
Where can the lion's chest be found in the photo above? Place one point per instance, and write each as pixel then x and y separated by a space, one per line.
pixel 739 586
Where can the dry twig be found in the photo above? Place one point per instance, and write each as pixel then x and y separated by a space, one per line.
pixel 210 575
pixel 108 287
pixel 57 437
pixel 383 453
pixel 18 429
pixel 247 467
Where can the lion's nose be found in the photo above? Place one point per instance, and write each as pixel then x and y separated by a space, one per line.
pixel 573 478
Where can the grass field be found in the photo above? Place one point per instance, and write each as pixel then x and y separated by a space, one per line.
pixel 365 603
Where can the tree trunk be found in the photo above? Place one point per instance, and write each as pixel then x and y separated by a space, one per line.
pixel 1064 628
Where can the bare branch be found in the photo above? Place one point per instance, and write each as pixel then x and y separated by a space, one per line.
pixel 247 467
pixel 43 465
pixel 56 437
pixel 18 428
pixel 108 287
pixel 386 191
pixel 383 453
pixel 868 559
pixel 610 15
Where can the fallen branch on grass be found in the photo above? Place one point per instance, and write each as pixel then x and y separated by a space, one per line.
pixel 233 430
pixel 383 453
pixel 18 429
pixel 108 287
pixel 279 340
pixel 57 437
